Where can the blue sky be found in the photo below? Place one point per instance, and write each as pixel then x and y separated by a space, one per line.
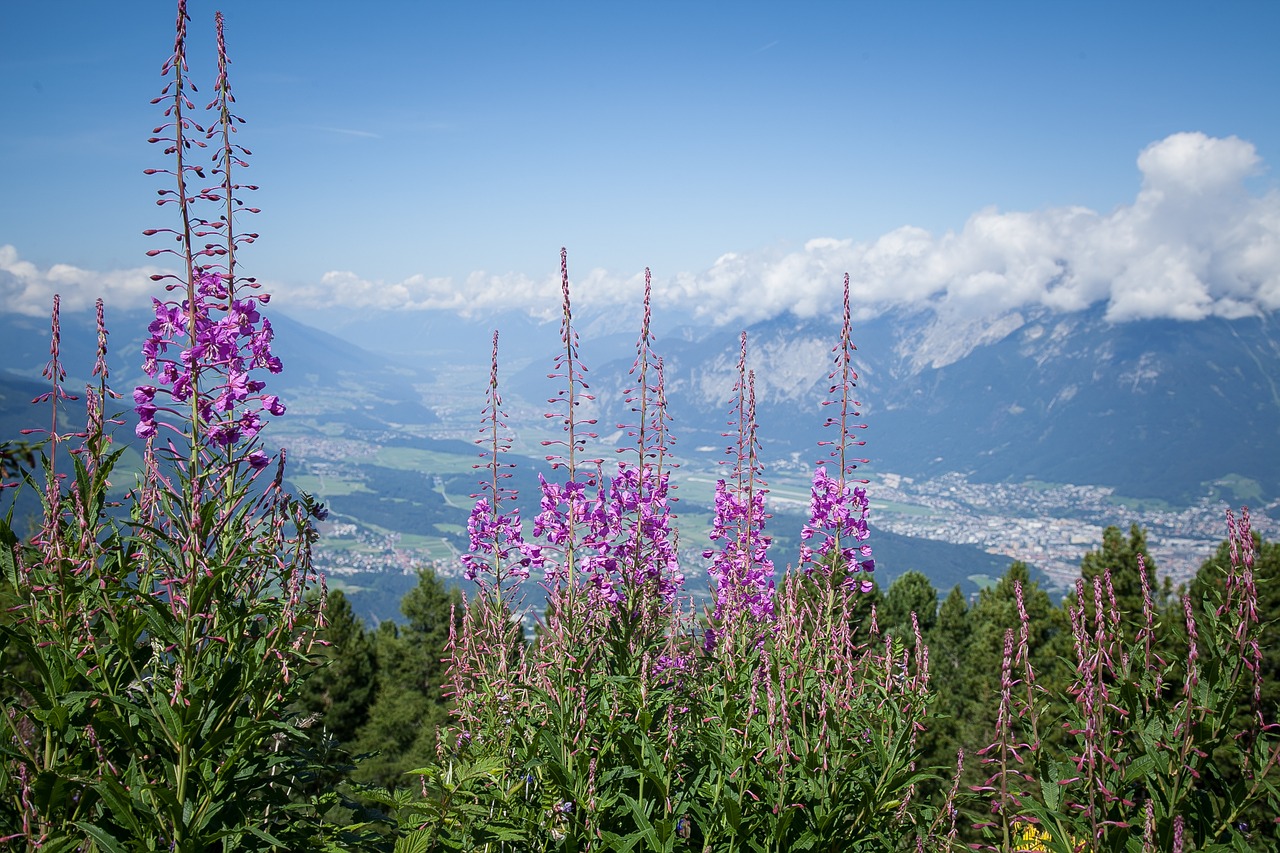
pixel 976 156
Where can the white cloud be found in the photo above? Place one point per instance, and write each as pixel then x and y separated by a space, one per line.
pixel 1195 242
pixel 480 293
pixel 26 289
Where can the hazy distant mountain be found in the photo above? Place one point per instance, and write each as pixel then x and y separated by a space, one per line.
pixel 320 370
pixel 1155 408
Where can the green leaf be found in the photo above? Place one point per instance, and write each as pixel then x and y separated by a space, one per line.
pixel 8 565
pixel 62 844
pixel 1137 768
pixel 1051 792
pixel 265 836
pixel 101 837
pixel 415 842
pixel 119 804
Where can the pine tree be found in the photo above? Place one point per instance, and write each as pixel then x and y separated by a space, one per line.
pixel 966 653
pixel 410 705
pixel 947 640
pixel 342 688
pixel 1119 556
pixel 911 592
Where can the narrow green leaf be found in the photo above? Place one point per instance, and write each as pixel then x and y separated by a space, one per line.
pixel 101 837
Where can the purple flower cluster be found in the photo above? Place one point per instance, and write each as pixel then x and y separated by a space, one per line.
pixel 741 569
pixel 838 520
pixel 646 545
pixel 501 538
pixel 838 507
pixel 228 347
pixel 620 538
pixel 672 670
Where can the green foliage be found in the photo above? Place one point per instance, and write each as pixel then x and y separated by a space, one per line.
pixel 408 706
pixel 910 593
pixel 1266 575
pixel 1154 756
pixel 14 457
pixel 155 702
pixel 966 647
pixel 340 692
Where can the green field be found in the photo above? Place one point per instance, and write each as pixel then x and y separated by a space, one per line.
pixel 902 509
pixel 325 487
pixel 425 461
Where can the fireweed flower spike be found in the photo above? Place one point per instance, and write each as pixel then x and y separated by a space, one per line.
pixel 838 506
pixel 741 572
pixel 56 374
pixel 498 556
pixel 485 649
pixel 647 398
pixel 212 329
pixel 568 366
pixel 563 507
pixel 640 494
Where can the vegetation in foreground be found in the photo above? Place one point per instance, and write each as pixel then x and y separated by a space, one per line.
pixel 172 681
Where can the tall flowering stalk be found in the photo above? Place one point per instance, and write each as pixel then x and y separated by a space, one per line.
pixel 586 716
pixel 839 507
pixel 836 569
pixel 1156 755
pixel 498 559
pixel 486 646
pixel 741 573
pixel 168 650
pixel 647 552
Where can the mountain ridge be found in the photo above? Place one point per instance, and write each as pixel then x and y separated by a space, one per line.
pixel 1153 408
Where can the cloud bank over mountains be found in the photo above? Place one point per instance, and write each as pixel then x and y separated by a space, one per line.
pixel 1195 242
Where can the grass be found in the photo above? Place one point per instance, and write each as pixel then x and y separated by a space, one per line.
pixel 1243 489
pixel 425 461
pixel 445 527
pixel 325 487
pixel 901 508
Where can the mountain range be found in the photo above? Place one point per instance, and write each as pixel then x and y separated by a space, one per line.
pixel 1155 409
pixel 1160 410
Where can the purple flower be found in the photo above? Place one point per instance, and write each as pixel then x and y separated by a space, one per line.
pixel 621 535
pixel 214 363
pixel 501 539
pixel 838 520
pixel 741 569
pixel 209 284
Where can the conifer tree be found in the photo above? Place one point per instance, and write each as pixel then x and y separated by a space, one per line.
pixel 947 640
pixel 1120 555
pixel 342 688
pixel 409 704
pixel 911 592
pixel 966 654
